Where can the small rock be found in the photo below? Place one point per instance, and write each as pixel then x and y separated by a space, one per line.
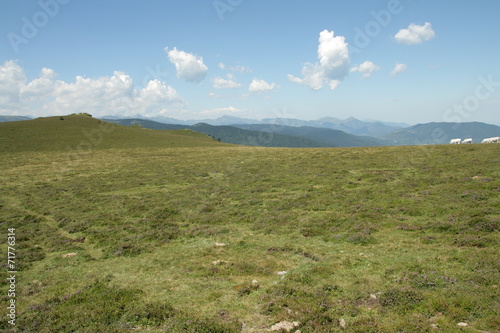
pixel 434 325
pixel 218 262
pixel 220 244
pixel 342 323
pixel 68 255
pixel 462 324
pixel 373 296
pixel 255 283
pixel 282 273
pixel 284 325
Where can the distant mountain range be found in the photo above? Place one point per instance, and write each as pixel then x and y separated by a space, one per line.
pixel 333 137
pixel 441 133
pixel 350 125
pixel 230 134
pixel 4 119
pixel 278 135
pixel 324 132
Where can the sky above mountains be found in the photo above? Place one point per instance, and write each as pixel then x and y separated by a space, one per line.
pixel 392 60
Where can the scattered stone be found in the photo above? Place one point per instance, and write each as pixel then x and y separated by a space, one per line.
pixel 342 323
pixel 68 255
pixel 462 324
pixel 436 317
pixel 284 325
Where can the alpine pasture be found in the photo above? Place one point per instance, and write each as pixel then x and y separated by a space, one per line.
pixel 125 229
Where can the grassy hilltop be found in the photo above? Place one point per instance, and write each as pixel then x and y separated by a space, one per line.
pixel 82 133
pixel 166 231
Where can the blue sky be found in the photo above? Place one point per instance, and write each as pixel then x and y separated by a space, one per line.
pixel 392 60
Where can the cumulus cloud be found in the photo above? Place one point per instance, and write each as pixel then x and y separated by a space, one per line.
pixel 333 65
pixel 261 86
pixel 229 82
pixel 12 79
pixel 100 96
pixel 366 69
pixel 415 34
pixel 398 69
pixel 188 66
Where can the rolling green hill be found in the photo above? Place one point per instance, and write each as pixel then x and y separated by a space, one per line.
pixel 234 135
pixel 442 133
pixel 171 231
pixel 84 133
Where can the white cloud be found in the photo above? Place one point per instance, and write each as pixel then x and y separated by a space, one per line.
pixel 188 66
pixel 230 82
pixel 240 69
pixel 100 96
pixel 237 68
pixel 415 34
pixel 12 79
pixel 333 66
pixel 366 69
pixel 261 86
pixel 398 69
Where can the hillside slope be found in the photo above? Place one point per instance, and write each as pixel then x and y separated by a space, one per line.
pixel 80 132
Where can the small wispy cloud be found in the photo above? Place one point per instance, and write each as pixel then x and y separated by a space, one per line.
pixel 366 69
pixel 398 69
pixel 236 69
pixel 261 86
pixel 226 83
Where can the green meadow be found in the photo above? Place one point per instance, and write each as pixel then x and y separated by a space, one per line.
pixel 124 229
